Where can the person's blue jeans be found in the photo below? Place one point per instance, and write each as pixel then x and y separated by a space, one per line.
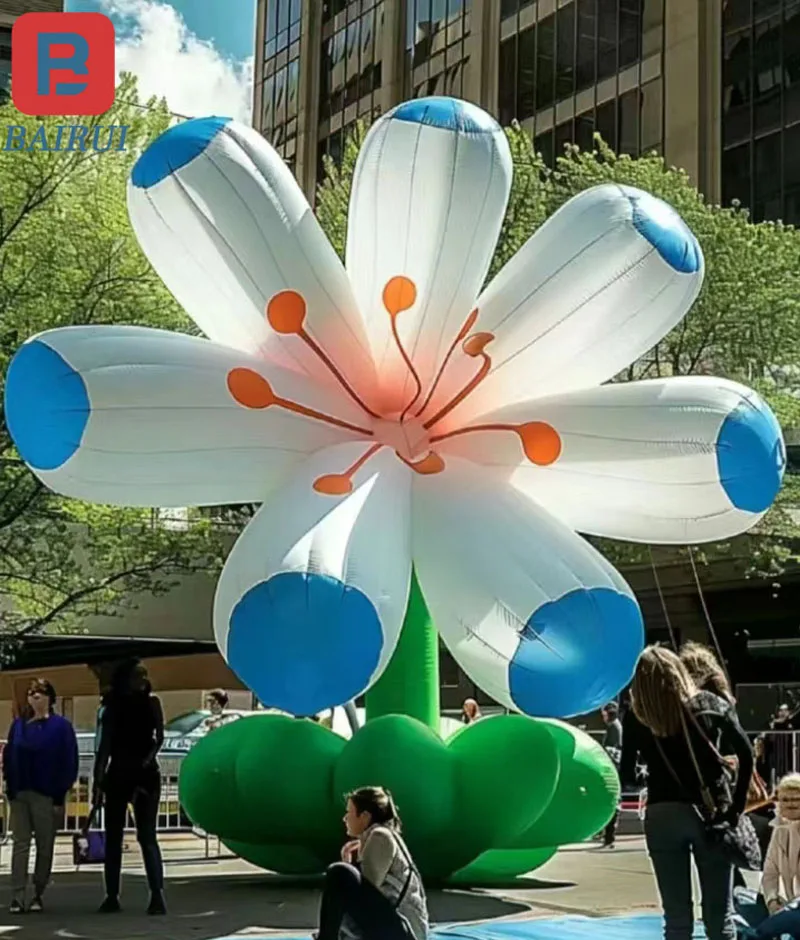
pixel 674 833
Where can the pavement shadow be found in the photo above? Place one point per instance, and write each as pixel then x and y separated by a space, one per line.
pixel 206 907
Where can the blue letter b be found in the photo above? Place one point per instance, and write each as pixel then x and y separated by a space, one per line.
pixel 47 63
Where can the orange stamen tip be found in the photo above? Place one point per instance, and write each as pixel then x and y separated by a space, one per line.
pixel 286 312
pixel 475 345
pixel 429 465
pixel 333 484
pixel 250 389
pixel 540 441
pixel 399 294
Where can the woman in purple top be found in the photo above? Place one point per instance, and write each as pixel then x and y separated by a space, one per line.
pixel 40 765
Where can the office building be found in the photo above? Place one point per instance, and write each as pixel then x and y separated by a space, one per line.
pixel 761 107
pixel 9 11
pixel 644 73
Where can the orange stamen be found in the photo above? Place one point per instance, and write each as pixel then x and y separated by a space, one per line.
pixel 252 390
pixel 462 335
pixel 340 484
pixel 473 347
pixel 429 465
pixel 400 294
pixel 286 313
pixel 540 441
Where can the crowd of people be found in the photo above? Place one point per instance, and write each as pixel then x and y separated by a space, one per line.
pixel 678 733
pixel 707 799
pixel 40 767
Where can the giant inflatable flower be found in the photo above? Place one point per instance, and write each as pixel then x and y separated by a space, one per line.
pixel 394 411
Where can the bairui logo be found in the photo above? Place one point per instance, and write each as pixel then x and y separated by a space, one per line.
pixel 63 63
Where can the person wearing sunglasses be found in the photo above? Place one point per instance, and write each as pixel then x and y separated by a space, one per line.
pixel 40 766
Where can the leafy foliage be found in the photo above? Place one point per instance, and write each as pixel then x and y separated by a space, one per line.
pixel 745 325
pixel 68 256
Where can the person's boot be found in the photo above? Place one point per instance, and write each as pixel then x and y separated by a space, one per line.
pixel 157 906
pixel 111 905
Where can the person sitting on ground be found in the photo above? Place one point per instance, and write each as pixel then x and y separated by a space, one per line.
pixel 375 892
pixel 777 910
pixel 470 711
pixel 40 766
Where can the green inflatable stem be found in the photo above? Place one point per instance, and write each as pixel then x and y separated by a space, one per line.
pixel 410 684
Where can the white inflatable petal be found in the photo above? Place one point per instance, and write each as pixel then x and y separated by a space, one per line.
pixel 428 200
pixel 226 226
pixel 601 282
pixel 312 598
pixel 531 612
pixel 138 417
pixel 678 460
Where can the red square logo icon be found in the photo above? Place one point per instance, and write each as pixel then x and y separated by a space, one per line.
pixel 62 63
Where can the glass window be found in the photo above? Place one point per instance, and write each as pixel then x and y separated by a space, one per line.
pixel 767 73
pixel 562 137
pixel 507 91
pixel 353 70
pixel 507 8
pixel 526 74
pixel 606 38
pixel 366 82
pixel 267 105
pixel 294 20
pixel 587 43
pixel 565 52
pixel 291 95
pixel 584 131
pixel 630 32
pixel 736 13
pixel 280 96
pixel 791 170
pixel 331 7
pixel 543 144
pixel 652 116
pixel 628 117
pixel 271 27
pixel 791 62
pixel 736 174
pixel 767 178
pixel 606 122
pixel 545 62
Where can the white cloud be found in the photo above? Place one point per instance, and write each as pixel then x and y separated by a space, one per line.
pixel 170 61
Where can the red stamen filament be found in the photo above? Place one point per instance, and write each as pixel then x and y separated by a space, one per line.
pixel 462 335
pixel 473 347
pixel 286 314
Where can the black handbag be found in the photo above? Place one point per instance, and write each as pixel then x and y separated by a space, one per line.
pixel 736 841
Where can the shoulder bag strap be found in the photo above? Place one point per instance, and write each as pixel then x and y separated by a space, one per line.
pixel 708 799
pixel 412 868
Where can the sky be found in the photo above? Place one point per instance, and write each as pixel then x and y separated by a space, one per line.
pixel 198 54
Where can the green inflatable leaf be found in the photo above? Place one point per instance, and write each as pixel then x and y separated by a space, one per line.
pixel 480 803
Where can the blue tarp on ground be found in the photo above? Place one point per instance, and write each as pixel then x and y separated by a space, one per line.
pixel 635 927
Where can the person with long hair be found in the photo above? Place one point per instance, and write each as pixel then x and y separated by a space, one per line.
pixel 706 670
pixel 40 766
pixel 375 892
pixel 679 731
pixel 709 676
pixel 127 773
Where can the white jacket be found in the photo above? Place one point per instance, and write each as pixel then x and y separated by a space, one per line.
pixel 781 878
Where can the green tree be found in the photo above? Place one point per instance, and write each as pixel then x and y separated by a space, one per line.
pixel 745 325
pixel 68 256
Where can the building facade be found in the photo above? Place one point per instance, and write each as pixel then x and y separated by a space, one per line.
pixel 645 74
pixel 9 11
pixel 761 107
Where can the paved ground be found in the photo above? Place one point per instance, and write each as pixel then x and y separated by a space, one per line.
pixel 218 898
